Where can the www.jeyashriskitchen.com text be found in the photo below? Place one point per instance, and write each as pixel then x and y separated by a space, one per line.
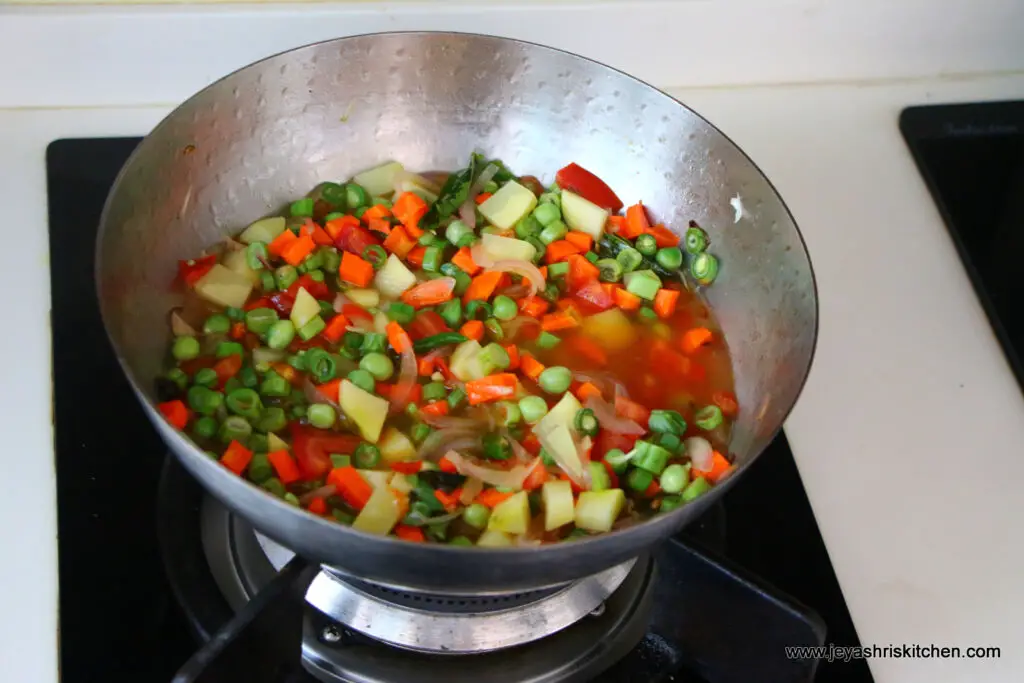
pixel 841 653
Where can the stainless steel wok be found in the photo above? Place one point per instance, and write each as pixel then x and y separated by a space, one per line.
pixel 248 144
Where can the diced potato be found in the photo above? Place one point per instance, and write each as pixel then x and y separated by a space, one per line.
pixel 559 443
pixel 598 510
pixel 494 539
pixel 367 298
pixel 263 230
pixel 275 443
pixel 395 446
pixel 505 207
pixel 224 287
pixel 511 515
pixel 507 248
pixel 401 483
pixel 420 186
pixel 564 414
pixel 376 478
pixel 556 497
pixel 381 512
pixel 365 409
pixel 611 329
pixel 380 322
pixel 304 309
pixel 237 261
pixel 379 181
pixel 465 362
pixel 394 278
pixel 583 215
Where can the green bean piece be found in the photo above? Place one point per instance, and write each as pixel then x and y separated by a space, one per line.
pixel 275 386
pixel 205 377
pixel 434 391
pixel 286 276
pixel 451 312
pixel 457 230
pixel 299 411
pixel 639 479
pixel 696 240
pixel 585 422
pixel 609 270
pixel 244 402
pixel 653 458
pixel 297 361
pixel 331 259
pixel 644 283
pixel 528 226
pixel 267 281
pixel 272 419
pixel 234 314
pixel 618 460
pixel 234 428
pixel 708 417
pixel 356 196
pixel 553 232
pixel 178 376
pixel 373 342
pixel 333 194
pixel 462 282
pixel 669 504
pixel 204 427
pixel 669 421
pixel 378 365
pixel 362 379
pixel 429 239
pixel 495 446
pixel 456 398
pixel 280 334
pixel 302 208
pixel 218 323
pixel 560 269
pixel 504 308
pixel 185 348
pixel 494 329
pixel 401 313
pixel 546 340
pixel 674 478
pixel 352 340
pixel 326 309
pixel 630 259
pixel 510 414
pixel 232 384
pixel 321 365
pixel 259 320
pixel 274 486
pixel 553 196
pixel 314 261
pixel 420 432
pixel 292 499
pixel 358 213
pixel 412 410
pixel 432 258
pixel 259 469
pixel 311 329
pixel 258 443
pixel 533 408
pixel 478 310
pixel 256 255
pixel 321 415
pixel 592 257
pixel 695 489
pixel 648 315
pixel 460 541
pixel 704 268
pixel 376 255
pixel 476 515
pixel 670 442
pixel 366 456
pixel 332 215
pixel 646 244
pixel 341 460
pixel 226 348
pixel 669 257
pixel 436 341
pixel 547 213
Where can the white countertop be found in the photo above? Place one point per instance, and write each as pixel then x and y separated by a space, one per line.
pixel 918 516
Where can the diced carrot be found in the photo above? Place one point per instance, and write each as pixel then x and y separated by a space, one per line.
pixel 237 330
pixel 376 212
pixel 653 489
pixel 536 478
pixel 175 412
pixel 236 458
pixel 581 273
pixel 559 250
pixel 381 225
pixel 409 208
pixel 351 486
pixel 464 260
pixel 562 320
pixel 726 401
pixel 586 390
pixel 399 242
pixel 636 222
pixel 296 252
pixel 279 243
pixel 318 506
pixel 447 465
pixel 336 328
pixel 586 348
pixel 663 237
pixel 533 306
pixel 615 224
pixel 581 240
pixel 284 466
pixel 694 338
pixel 407 466
pixel 719 467
pixel 513 356
pixel 330 389
pixel 228 367
pixel 355 269
pixel 416 256
pixel 410 533
pixel 543 272
pixel 665 302
pixel 491 497
pixel 631 410
pixel 425 367
pixel 449 500
pixel 626 300
pixel 436 409
pixel 482 197
pixel 336 226
pixel 414 231
pixel 430 293
pixel 491 388
pixel 473 329
pixel 482 286
pixel 321 237
pixel 397 337
pixel 530 366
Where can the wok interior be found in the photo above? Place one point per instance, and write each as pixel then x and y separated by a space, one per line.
pixel 253 141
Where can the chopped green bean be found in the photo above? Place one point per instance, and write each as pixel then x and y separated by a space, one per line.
pixel 695 489
pixel 434 391
pixel 478 310
pixel 401 313
pixel 303 208
pixel 314 327
pixel 669 421
pixel 546 340
pixel 547 213
pixel 244 402
pixel 696 240
pixel 419 431
pixel 205 427
pixel 234 428
pixel 585 421
pixel 321 415
pixel 256 256
pixel 321 365
pixel 618 460
pixel 185 348
pixel 639 479
pixel 376 255
pixel 432 259
pixel 609 270
pixel 708 417
pixel 646 244
pixel 341 460
pixel 669 257
pixel 267 281
pixel 528 227
pixel 456 230
pixel 704 268
pixel 356 196
pixel 218 323
pixel 234 313
pixel 456 398
pixel 259 320
pixel 286 276
pixel 226 348
pixel 259 469
pixel 272 419
pixel 669 504
pixel 205 377
pixel 560 269
pixel 510 414
pixel 553 232
pixel 280 334
pixel 275 386
pixel 373 342
pixel 674 478
pixel 451 312
pixel 366 456
pixel 629 258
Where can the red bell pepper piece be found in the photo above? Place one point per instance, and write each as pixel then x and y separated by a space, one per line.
pixel 577 179
pixel 193 269
pixel 313 448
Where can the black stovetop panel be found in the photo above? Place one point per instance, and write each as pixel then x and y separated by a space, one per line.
pixel 119 619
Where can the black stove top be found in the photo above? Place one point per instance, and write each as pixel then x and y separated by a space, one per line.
pixel 138 602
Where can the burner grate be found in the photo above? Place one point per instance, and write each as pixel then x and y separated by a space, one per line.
pixel 454 604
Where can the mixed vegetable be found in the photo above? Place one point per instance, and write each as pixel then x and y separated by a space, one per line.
pixel 470 359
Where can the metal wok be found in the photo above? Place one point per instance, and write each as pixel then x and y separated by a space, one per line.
pixel 246 145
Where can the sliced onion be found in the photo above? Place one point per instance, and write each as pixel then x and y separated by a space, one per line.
pixel 447 439
pixel 402 177
pixel 313 395
pixel 610 420
pixel 700 452
pixel 467 213
pixel 322 492
pixel 179 327
pixel 465 424
pixel 440 519
pixel 530 272
pixel 264 354
pixel 515 291
pixel 583 452
pixel 512 327
pixel 522 455
pixel 470 490
pixel 406 380
pixel 480 255
pixel 604 381
pixel 512 478
pixel 339 302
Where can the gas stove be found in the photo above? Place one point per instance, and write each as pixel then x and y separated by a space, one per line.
pixel 158 581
